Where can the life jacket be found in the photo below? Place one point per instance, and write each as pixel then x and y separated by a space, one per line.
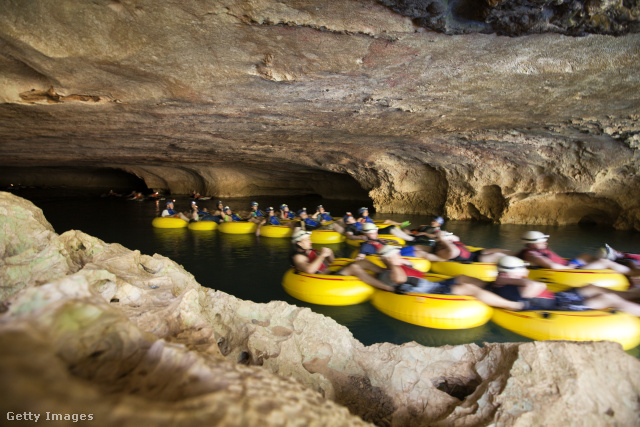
pixel 465 253
pixel 370 247
pixel 311 223
pixel 325 216
pixel 547 253
pixel 355 228
pixel 272 220
pixel 311 256
pixel 171 211
pixel 364 219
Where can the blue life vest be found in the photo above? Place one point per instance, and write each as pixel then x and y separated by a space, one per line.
pixel 325 216
pixel 272 220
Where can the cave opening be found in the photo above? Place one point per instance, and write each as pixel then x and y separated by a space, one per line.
pixel 72 178
pixel 596 219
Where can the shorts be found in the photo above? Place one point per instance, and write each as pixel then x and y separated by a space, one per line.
pixel 423 286
pixel 570 301
pixel 386 230
pixel 408 251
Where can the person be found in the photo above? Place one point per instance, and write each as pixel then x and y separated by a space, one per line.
pixel 624 258
pixel 512 284
pixel 353 230
pixel 321 215
pixel 285 213
pixel 307 223
pixel 449 247
pixel 405 279
pixel 536 252
pixel 364 217
pixel 373 244
pixel 426 234
pixel 305 259
pixel 229 216
pixel 170 212
pixel 270 219
pixel 255 211
pixel 203 214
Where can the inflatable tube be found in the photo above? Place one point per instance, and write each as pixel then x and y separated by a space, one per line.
pixel 326 237
pixel 203 225
pixel 168 222
pixel 481 270
pixel 281 231
pixel 433 311
pixel 561 280
pixel 244 227
pixel 592 325
pixel 326 289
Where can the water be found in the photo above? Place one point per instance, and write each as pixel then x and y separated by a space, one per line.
pixel 251 267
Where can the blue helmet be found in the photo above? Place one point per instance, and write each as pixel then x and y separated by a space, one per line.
pixel 362 210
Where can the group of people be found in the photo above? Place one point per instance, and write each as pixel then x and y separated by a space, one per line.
pixel 511 290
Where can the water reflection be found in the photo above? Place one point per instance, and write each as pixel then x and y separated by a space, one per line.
pixel 170 241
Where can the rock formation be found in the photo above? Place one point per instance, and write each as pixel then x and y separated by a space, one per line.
pixel 89 328
pixel 233 98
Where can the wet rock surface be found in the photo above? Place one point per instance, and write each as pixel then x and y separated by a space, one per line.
pixel 132 339
pixel 236 99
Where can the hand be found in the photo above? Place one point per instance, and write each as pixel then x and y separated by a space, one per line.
pixel 326 252
pixel 360 257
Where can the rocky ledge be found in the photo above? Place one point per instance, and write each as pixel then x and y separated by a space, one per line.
pixel 95 329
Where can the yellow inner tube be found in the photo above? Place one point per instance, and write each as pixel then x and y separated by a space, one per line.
pixel 168 222
pixel 238 227
pixel 203 225
pixel 276 231
pixel 561 280
pixel 481 270
pixel 432 310
pixel 326 289
pixel 326 237
pixel 592 325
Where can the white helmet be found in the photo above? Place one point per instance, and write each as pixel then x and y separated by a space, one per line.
pixel 510 263
pixel 299 235
pixel 367 227
pixel 534 237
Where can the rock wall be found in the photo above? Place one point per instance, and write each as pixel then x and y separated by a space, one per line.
pixel 234 98
pixel 128 338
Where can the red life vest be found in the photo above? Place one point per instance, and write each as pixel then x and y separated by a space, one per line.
pixel 312 255
pixel 547 253
pixel 464 252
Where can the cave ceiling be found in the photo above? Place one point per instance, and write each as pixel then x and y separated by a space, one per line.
pixel 486 110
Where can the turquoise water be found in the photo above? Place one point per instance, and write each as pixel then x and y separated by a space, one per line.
pixel 251 267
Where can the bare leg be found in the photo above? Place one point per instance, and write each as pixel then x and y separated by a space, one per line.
pixel 486 297
pixel 603 301
pixel 426 255
pixel 492 256
pixel 355 269
pixel 401 234
pixel 446 249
